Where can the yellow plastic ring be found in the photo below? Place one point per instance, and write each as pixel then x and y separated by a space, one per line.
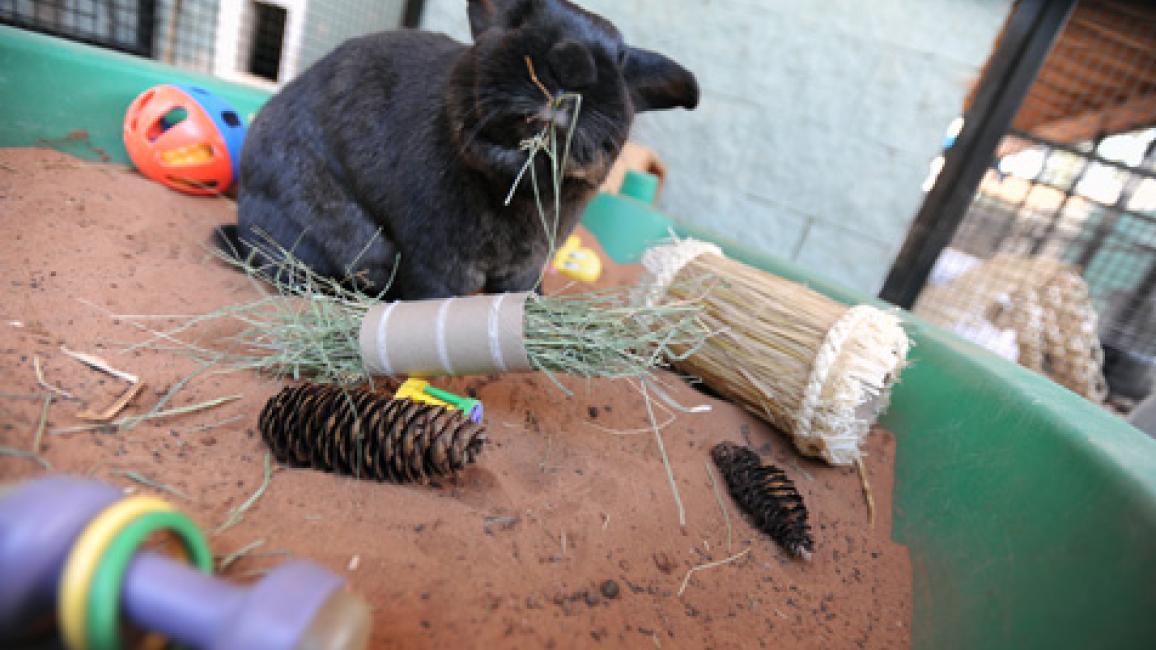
pixel 76 579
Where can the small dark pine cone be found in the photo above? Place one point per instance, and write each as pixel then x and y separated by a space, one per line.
pixel 766 495
pixel 359 432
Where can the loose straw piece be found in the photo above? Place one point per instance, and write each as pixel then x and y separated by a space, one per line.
pixel 24 453
pixel 866 492
pixel 238 514
pixel 665 458
pixel 191 408
pixel 135 420
pixel 152 483
pixel 44 383
pixel 41 424
pixel 34 454
pixel 93 361
pixel 719 500
pixel 115 408
pixel 231 558
pixel 673 403
pixel 22 396
pixel 710 565
pixel 201 428
pixel 117 424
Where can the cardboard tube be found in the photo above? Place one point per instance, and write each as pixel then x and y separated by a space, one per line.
pixel 453 336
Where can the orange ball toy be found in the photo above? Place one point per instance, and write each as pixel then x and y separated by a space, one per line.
pixel 184 137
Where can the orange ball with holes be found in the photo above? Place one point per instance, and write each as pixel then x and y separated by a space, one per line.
pixel 185 137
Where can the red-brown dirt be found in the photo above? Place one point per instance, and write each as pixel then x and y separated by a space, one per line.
pixel 515 552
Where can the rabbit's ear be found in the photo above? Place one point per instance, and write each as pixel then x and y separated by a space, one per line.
pixel 656 82
pixel 485 14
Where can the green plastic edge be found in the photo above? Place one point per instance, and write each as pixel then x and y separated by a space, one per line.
pixel 53 90
pixel 1029 514
pixel 625 225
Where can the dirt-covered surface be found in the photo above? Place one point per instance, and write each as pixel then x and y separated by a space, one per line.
pixel 565 533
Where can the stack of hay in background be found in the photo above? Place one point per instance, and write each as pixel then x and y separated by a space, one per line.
pixel 1040 305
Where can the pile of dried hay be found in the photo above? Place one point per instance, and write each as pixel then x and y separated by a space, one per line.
pixel 1043 301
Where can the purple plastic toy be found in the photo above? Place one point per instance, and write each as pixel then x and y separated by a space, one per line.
pixel 298 605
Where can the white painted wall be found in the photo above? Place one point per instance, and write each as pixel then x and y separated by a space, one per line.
pixel 818 121
pixel 313 28
pixel 234 27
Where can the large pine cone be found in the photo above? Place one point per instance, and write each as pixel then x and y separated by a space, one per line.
pixel 766 495
pixel 359 432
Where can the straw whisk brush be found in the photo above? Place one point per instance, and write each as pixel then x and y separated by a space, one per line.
pixel 812 367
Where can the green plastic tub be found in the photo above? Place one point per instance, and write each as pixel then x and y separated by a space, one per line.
pixel 1030 514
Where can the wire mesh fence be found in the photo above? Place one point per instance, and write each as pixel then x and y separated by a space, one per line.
pixel 187 33
pixel 266 42
pixel 124 25
pixel 1071 192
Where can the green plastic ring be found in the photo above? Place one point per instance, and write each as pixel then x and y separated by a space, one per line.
pixel 104 596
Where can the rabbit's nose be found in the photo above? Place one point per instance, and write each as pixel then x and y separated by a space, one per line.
pixel 553 115
pixel 572 65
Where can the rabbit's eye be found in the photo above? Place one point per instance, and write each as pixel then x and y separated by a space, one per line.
pixel 520 15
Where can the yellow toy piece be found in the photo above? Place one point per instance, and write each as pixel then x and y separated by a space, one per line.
pixel 190 155
pixel 414 390
pixel 575 261
pixel 419 390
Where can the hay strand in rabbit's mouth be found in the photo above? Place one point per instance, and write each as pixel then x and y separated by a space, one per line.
pixel 546 141
pixel 534 78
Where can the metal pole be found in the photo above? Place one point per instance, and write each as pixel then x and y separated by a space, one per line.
pixel 411 16
pixel 1032 30
pixel 146 28
pixel 1143 293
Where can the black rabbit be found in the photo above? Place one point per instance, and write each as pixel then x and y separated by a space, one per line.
pixel 401 147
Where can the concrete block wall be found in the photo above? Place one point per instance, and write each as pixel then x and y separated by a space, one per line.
pixel 818 119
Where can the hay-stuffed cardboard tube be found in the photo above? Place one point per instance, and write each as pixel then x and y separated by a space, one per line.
pixel 452 336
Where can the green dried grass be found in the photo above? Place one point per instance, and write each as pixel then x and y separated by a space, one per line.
pixel 307 326
pixel 605 334
pixel 137 477
pixel 546 141
pixel 24 453
pixel 238 513
pixel 228 560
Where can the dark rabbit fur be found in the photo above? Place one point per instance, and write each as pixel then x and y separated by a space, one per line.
pixel 416 136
